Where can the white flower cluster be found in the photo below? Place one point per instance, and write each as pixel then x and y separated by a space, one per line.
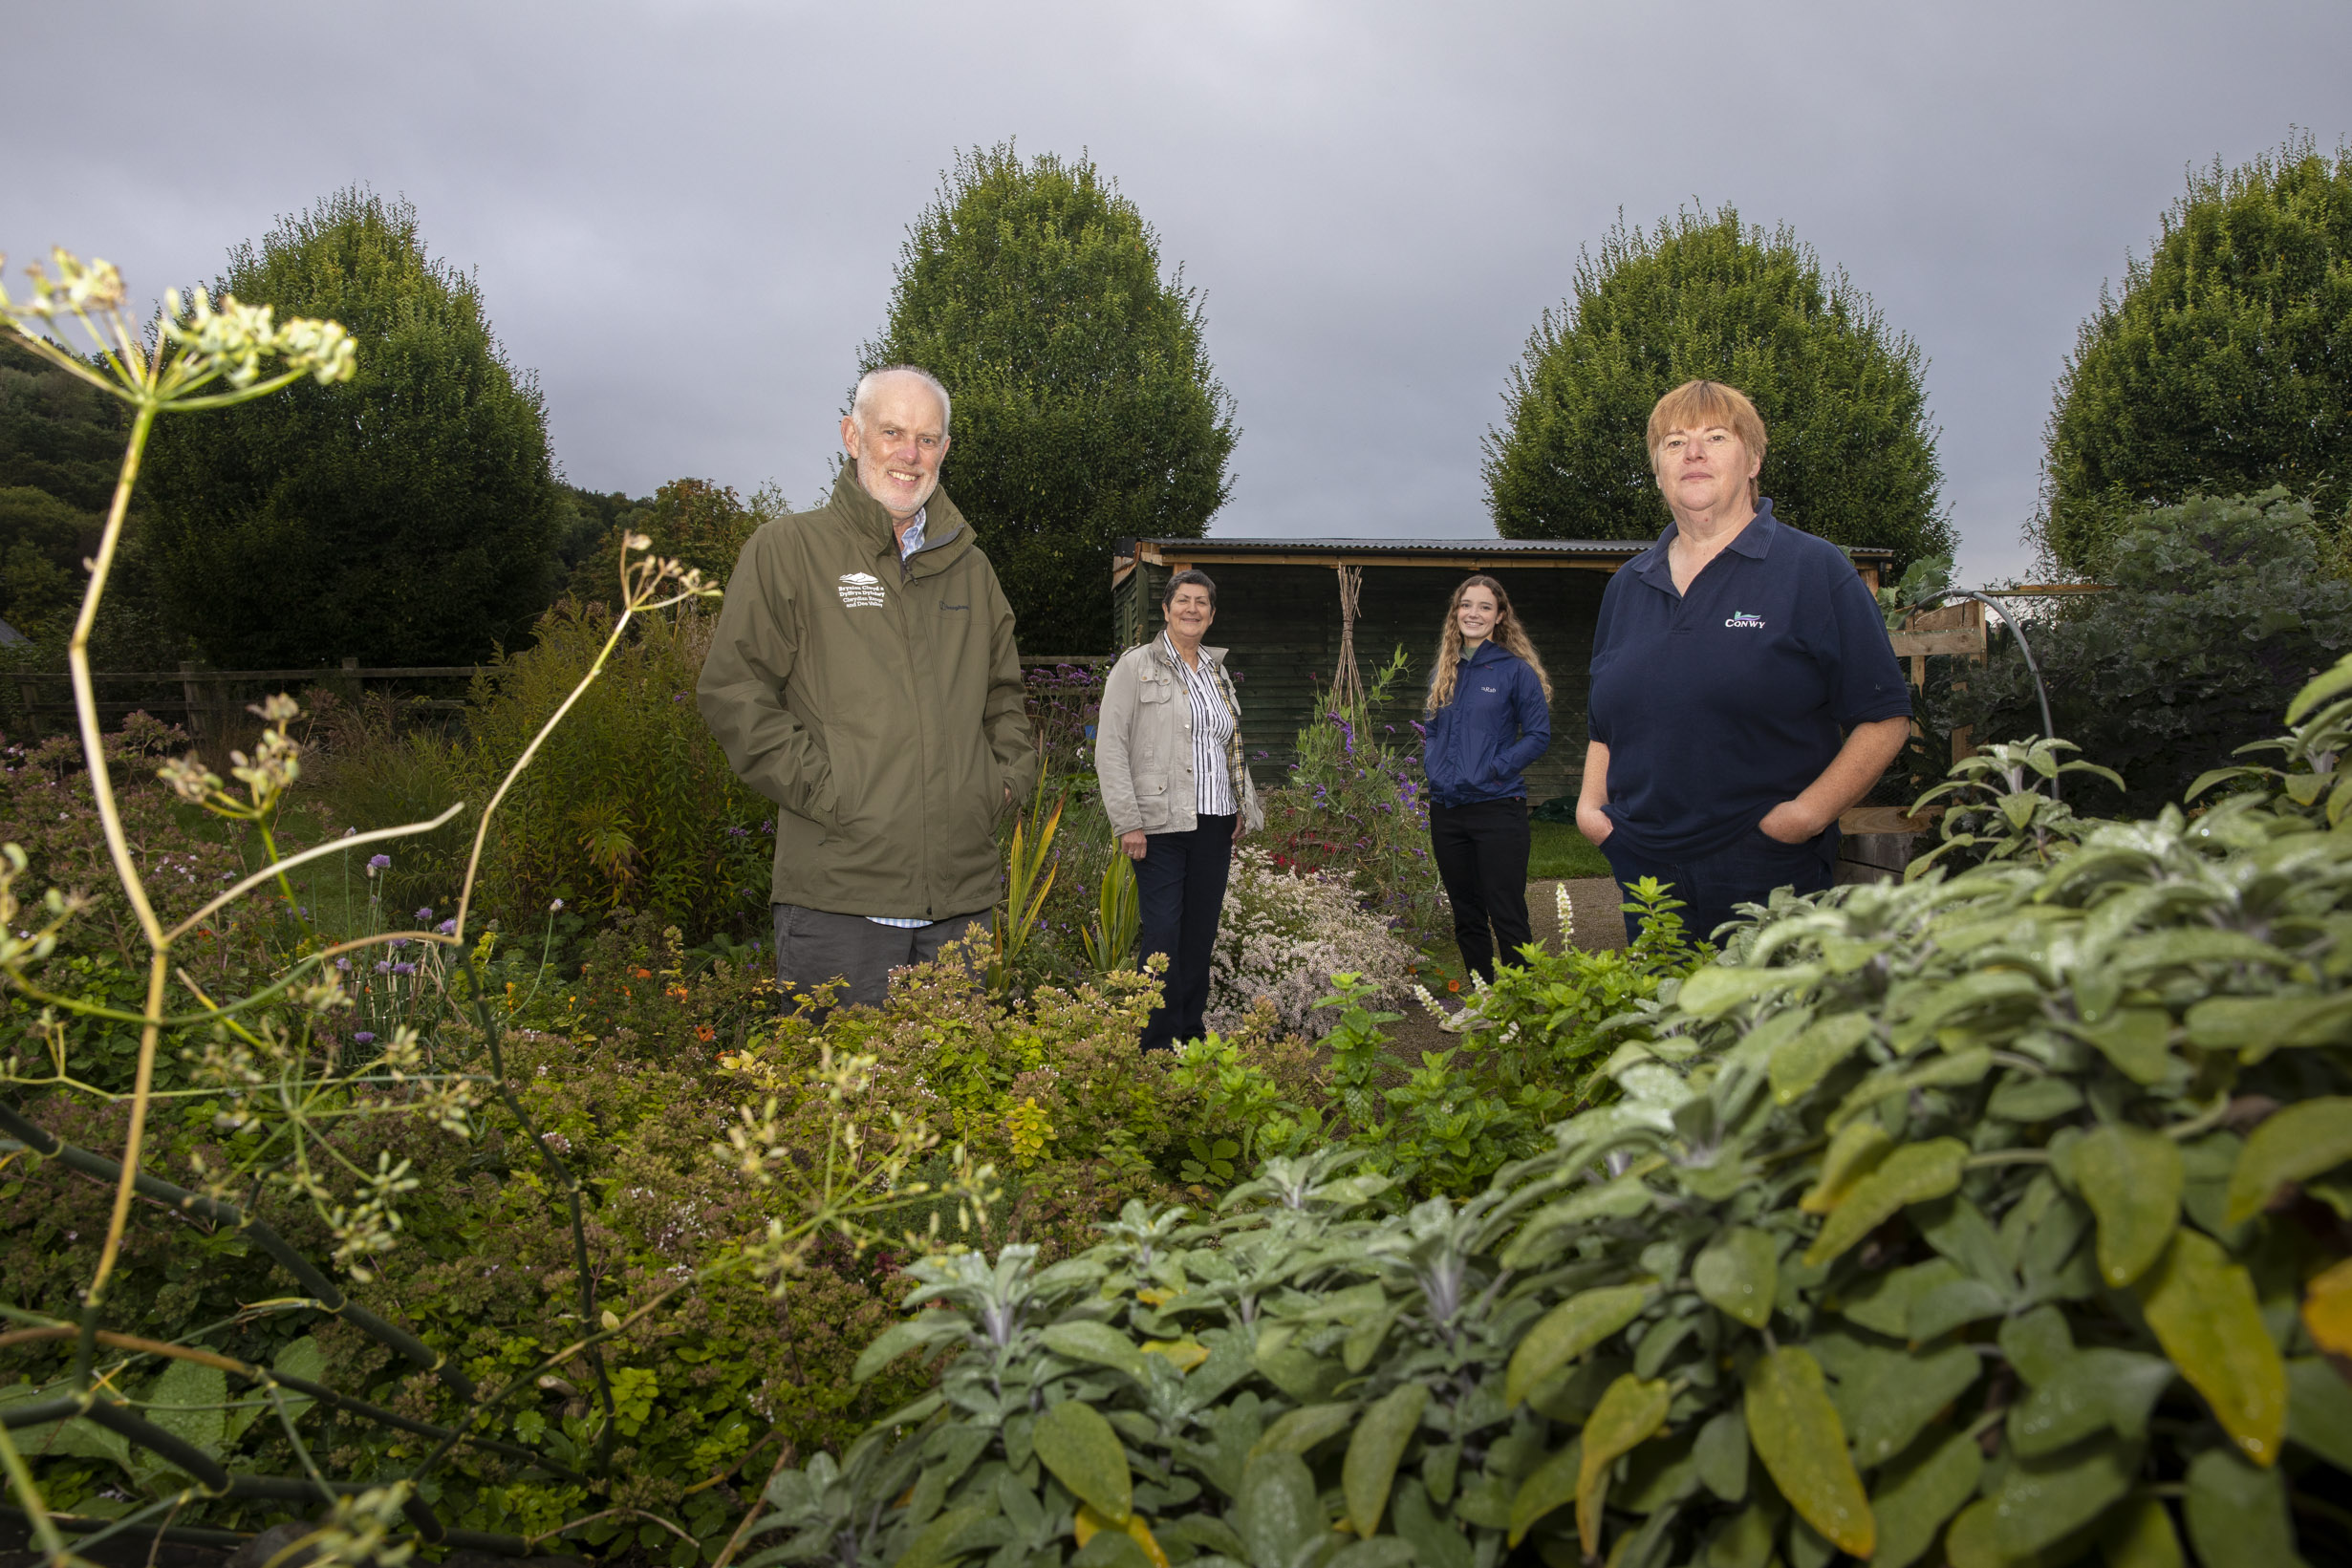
pixel 1284 935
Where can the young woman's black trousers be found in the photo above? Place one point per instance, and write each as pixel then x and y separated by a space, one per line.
pixel 1481 855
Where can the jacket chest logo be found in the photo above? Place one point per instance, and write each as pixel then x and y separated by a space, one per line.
pixel 1743 621
pixel 860 589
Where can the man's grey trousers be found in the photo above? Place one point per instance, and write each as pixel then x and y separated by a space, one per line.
pixel 814 946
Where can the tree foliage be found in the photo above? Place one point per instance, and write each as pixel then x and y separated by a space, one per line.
pixel 1851 455
pixel 2219 611
pixel 703 525
pixel 406 517
pixel 1085 409
pixel 2225 365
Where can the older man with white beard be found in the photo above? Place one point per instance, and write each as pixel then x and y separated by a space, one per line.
pixel 864 677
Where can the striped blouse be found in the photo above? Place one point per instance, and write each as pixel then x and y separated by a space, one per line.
pixel 1212 735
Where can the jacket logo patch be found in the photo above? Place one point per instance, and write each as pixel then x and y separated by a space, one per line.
pixel 1487 688
pixel 1744 622
pixel 861 589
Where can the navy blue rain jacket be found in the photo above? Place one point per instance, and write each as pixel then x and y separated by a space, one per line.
pixel 1478 746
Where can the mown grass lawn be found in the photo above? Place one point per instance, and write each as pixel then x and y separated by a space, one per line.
pixel 1558 850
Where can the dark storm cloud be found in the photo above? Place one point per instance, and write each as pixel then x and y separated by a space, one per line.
pixel 684 216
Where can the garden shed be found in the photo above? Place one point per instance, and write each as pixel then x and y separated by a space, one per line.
pixel 1278 609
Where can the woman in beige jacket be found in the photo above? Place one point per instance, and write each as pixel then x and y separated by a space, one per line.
pixel 1168 753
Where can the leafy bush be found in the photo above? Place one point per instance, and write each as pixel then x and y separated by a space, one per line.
pixel 630 804
pixel 1353 804
pixel 701 524
pixel 406 516
pixel 1086 408
pixel 1852 452
pixel 1284 935
pixel 2224 363
pixel 2217 609
pixel 2001 1210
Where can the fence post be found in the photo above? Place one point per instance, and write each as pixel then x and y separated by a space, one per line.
pixel 28 691
pixel 192 703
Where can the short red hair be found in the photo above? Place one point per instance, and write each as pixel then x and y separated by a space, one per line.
pixel 1698 405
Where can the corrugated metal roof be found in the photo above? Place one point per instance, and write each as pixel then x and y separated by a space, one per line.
pixel 1488 545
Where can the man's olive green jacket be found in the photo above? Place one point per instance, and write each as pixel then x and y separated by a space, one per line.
pixel 878 704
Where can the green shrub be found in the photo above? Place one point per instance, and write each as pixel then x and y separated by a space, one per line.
pixel 2217 609
pixel 408 515
pixel 1354 804
pixel 1975 1210
pixel 2223 363
pixel 1852 451
pixel 659 1050
pixel 630 804
pixel 1086 408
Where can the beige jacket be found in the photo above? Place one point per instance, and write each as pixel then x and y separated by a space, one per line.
pixel 1143 745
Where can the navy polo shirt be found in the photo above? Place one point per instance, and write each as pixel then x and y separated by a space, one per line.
pixel 1718 704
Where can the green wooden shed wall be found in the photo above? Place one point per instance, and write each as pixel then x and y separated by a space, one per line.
pixel 1278 612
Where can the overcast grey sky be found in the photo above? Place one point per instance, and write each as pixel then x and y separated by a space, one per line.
pixel 684 215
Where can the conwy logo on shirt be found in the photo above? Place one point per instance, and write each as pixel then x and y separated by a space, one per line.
pixel 1746 622
pixel 861 590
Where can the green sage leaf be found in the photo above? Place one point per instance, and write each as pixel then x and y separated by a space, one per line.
pixel 1915 1497
pixel 2140 1536
pixel 1913 1173
pixel 1628 1415
pixel 2202 1310
pixel 2237 1514
pixel 1099 1345
pixel 1373 1453
pixel 1302 1429
pixel 1075 1442
pixel 1566 1332
pixel 2137 1040
pixel 2089 1391
pixel 1739 1272
pixel 1806 1060
pixel 1722 1455
pixel 2133 1179
pixel 2319 1409
pixel 2039 1501
pixel 2295 1144
pixel 1795 1430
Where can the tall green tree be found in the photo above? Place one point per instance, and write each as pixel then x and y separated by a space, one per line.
pixel 408 516
pixel 1085 409
pixel 2224 366
pixel 1851 454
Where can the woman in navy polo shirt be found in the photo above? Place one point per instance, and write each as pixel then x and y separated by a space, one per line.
pixel 1489 716
pixel 1744 690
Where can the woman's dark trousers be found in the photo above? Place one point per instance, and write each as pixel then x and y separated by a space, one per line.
pixel 1481 855
pixel 1710 884
pixel 1181 891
